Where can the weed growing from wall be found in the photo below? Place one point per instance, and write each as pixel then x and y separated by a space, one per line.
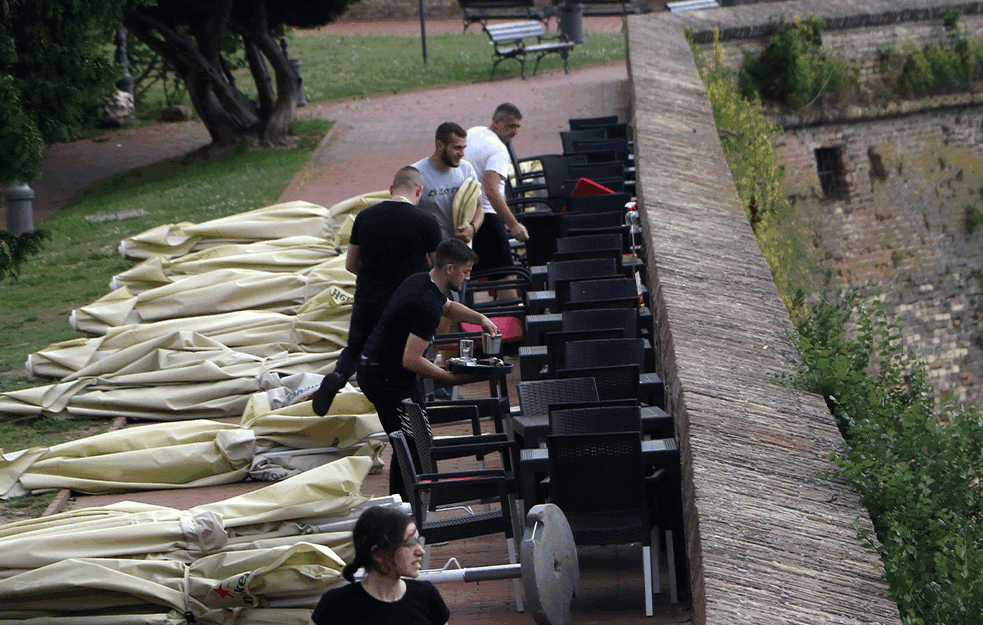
pixel 746 136
pixel 918 474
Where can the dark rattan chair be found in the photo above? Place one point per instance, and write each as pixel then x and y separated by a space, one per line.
pixel 599 318
pixel 612 293
pixel 430 450
pixel 585 244
pixel 582 123
pixel 617 382
pixel 457 485
pixel 606 353
pixel 560 274
pixel 536 396
pixel 556 344
pixel 598 481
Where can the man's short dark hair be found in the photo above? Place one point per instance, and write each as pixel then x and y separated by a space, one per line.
pixel 407 176
pixel 505 110
pixel 447 130
pixel 454 252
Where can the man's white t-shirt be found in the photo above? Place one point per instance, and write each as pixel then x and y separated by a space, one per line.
pixel 486 152
pixel 438 191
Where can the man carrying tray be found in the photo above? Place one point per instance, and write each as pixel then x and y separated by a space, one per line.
pixel 393 360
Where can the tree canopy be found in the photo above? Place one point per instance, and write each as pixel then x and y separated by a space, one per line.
pixel 51 72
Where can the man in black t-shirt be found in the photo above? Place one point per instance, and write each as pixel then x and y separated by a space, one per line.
pixel 390 242
pixel 393 356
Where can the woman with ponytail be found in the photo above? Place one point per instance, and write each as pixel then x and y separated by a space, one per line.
pixel 390 550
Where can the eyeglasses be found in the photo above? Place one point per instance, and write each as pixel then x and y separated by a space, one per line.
pixel 416 541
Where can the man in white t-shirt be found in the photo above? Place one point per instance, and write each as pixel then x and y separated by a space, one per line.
pixel 488 153
pixel 443 173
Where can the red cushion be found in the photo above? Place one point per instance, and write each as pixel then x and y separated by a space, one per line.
pixel 586 186
pixel 509 327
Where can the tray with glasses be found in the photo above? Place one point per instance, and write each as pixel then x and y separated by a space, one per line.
pixel 489 366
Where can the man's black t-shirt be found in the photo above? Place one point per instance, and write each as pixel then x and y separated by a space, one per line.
pixel 420 605
pixel 415 308
pixel 393 240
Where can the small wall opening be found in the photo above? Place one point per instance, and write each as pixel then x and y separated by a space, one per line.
pixel 832 176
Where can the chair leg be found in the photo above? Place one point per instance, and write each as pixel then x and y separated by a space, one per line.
pixel 516 585
pixel 656 545
pixel 671 557
pixel 647 568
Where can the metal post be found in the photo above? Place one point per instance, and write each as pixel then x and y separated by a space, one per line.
pixel 423 33
pixel 19 199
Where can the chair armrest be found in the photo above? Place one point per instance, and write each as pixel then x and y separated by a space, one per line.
pixel 494 407
pixel 438 415
pixel 480 474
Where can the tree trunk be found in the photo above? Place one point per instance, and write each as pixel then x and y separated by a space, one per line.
pixel 276 124
pixel 227 113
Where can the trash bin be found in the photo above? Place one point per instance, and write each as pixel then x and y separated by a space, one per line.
pixel 572 21
pixel 20 207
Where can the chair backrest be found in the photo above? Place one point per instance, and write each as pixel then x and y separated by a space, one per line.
pixel 599 318
pixel 614 382
pixel 544 229
pixel 417 425
pixel 556 344
pixel 586 290
pixel 567 137
pixel 536 396
pixel 419 502
pixel 585 220
pixel 612 169
pixel 580 269
pixel 597 481
pixel 586 146
pixel 617 292
pixel 561 289
pixel 583 244
pixel 596 420
pixel 608 203
pixel 613 252
pixel 581 123
pixel 605 353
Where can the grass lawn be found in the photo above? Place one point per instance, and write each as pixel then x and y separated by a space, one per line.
pixel 339 66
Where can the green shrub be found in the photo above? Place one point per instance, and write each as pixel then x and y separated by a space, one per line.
pixel 794 69
pixel 917 473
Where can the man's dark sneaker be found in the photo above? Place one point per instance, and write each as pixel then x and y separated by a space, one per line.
pixel 323 396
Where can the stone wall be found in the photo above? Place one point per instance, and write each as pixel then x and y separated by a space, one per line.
pixel 769 537
pixel 910 180
pixel 903 223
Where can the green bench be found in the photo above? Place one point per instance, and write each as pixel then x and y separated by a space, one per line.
pixel 516 40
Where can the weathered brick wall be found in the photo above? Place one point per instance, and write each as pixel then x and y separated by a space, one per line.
pixel 904 225
pixel 910 180
pixel 856 30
